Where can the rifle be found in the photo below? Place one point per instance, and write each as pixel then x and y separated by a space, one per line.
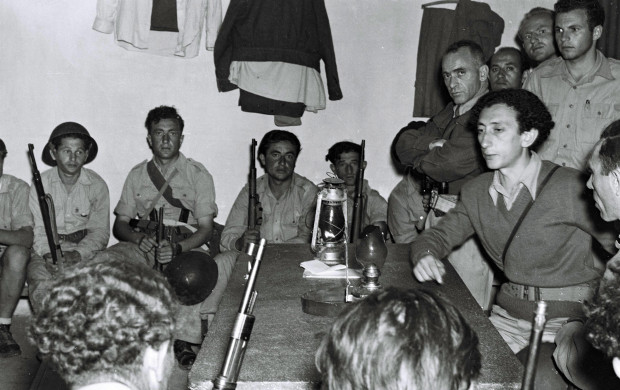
pixel 242 329
pixel 46 203
pixel 253 200
pixel 160 237
pixel 538 326
pixel 358 205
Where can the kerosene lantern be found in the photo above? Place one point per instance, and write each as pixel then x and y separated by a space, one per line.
pixel 371 253
pixel 329 238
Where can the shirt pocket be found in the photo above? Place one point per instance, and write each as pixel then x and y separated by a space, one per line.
pixel 144 199
pixel 186 194
pixel 596 116
pixel 81 210
pixel 290 224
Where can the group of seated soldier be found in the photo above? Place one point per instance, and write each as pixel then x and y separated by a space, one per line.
pixel 509 205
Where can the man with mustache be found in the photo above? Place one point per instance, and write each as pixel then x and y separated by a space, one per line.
pixel 506 69
pixel 581 88
pixel 445 150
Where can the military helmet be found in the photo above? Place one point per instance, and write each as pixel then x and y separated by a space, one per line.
pixel 192 276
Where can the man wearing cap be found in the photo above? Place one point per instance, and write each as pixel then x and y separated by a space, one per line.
pixel 15 242
pixel 81 203
pixel 184 189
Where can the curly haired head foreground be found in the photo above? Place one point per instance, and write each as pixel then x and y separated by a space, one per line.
pixel 399 339
pixel 99 319
pixel 531 112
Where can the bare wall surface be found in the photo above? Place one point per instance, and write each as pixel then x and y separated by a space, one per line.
pixel 55 68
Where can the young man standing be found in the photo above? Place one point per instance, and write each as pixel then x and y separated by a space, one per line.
pixel 81 202
pixel 581 88
pixel 287 199
pixel 184 189
pixel 532 219
pixel 344 162
pixel 15 242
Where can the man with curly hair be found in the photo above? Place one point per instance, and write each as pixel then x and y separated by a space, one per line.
pixel 533 221
pixel 108 324
pixel 402 326
pixel 581 88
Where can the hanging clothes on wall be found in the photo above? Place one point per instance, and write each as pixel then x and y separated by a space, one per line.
pixel 271 50
pixel 470 20
pixel 162 27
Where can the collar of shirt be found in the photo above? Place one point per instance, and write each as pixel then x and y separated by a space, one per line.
pixel 601 68
pixel 83 179
pixel 178 164
pixel 529 179
pixel 463 108
pixel 267 191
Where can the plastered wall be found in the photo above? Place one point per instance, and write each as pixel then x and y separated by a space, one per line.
pixel 55 68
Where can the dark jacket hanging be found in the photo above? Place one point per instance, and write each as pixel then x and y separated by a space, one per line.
pixel 470 20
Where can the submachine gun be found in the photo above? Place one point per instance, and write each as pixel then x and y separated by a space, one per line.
pixel 242 329
pixel 358 204
pixel 46 203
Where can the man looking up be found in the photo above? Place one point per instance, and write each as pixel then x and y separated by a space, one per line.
pixel 344 162
pixel 506 69
pixel 15 242
pixel 581 88
pixel 533 221
pixel 108 325
pixel 536 35
pixel 82 205
pixel 287 199
pixel 184 189
pixel 445 150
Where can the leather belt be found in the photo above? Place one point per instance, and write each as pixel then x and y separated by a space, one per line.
pixel 577 293
pixel 74 237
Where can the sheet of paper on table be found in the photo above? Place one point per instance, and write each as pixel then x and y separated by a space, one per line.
pixel 319 270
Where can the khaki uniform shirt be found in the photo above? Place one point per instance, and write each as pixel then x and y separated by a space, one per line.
pixel 192 185
pixel 581 110
pixel 375 207
pixel 14 211
pixel 87 207
pixel 283 219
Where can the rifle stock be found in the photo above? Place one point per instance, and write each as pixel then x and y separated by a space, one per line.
pixel 242 329
pixel 46 203
pixel 538 326
pixel 358 206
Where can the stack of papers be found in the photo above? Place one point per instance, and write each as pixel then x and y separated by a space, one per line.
pixel 320 270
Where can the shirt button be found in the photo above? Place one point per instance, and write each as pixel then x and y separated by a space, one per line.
pixel 575 87
pixel 571 106
pixel 568 126
pixel 565 145
pixel 563 164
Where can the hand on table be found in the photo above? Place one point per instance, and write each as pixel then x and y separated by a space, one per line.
pixel 429 268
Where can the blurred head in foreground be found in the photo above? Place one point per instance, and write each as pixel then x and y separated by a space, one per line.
pixel 109 321
pixel 399 339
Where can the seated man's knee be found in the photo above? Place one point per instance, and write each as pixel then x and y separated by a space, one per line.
pixel 16 258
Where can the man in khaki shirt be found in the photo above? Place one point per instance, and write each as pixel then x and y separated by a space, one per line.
pixel 15 241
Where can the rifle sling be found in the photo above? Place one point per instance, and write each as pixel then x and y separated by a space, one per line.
pixel 163 186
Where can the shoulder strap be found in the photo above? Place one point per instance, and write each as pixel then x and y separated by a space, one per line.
pixel 163 186
pixel 527 209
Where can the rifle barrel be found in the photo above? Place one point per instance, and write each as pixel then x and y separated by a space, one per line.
pixel 45 208
pixel 357 205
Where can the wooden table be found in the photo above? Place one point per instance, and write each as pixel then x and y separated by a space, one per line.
pixel 280 354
